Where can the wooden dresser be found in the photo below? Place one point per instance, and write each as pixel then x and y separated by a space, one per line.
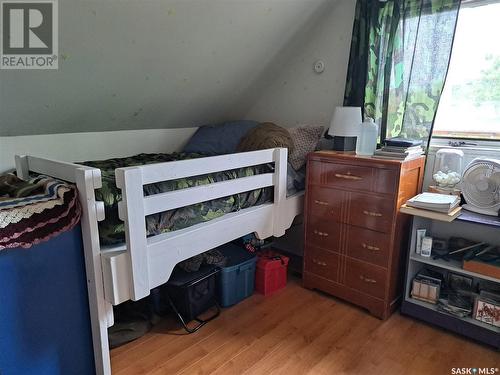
pixel 355 237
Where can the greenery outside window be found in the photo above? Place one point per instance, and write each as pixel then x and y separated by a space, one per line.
pixel 399 57
pixel 470 103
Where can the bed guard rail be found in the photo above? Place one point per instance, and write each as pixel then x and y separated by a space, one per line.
pixel 134 206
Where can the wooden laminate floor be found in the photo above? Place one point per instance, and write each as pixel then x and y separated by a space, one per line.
pixel 298 331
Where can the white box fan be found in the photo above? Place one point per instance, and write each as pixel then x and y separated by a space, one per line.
pixel 481 186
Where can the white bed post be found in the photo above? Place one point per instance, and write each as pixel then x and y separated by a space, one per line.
pixel 131 211
pixel 101 311
pixel 280 185
pixel 87 180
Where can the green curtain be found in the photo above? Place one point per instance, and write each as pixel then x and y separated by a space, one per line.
pixel 399 58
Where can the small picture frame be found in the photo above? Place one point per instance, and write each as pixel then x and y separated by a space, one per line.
pixel 459 282
pixel 426 289
pixel 487 311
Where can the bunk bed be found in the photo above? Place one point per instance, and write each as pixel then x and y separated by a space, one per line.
pixel 128 271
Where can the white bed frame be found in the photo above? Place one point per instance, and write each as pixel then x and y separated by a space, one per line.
pixel 129 271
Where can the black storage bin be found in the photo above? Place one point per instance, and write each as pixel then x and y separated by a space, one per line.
pixel 190 294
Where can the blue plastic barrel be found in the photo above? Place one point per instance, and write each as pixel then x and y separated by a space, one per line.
pixel 44 313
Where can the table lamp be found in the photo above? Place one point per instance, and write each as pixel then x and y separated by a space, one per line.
pixel 345 127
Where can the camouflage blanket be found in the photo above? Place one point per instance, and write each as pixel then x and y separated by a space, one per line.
pixel 111 230
pixel 13 190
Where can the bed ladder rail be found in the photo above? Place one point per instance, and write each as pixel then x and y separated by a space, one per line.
pixel 87 179
pixel 134 207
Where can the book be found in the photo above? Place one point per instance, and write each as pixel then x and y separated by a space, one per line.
pixel 401 150
pixel 401 155
pixel 448 217
pixel 434 202
pixel 434 198
pixel 398 152
pixel 402 142
pixel 396 157
pixel 487 310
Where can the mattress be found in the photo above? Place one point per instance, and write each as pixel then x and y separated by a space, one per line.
pixel 111 230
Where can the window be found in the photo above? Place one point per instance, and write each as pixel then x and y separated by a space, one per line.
pixel 470 102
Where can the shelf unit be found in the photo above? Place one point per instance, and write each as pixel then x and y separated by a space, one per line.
pixel 471 226
pixel 451 265
pixel 469 320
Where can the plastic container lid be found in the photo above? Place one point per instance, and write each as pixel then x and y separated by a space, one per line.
pixel 180 277
pixel 235 255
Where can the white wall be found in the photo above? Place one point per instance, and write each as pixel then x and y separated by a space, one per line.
pixel 157 64
pixel 289 92
pixel 92 146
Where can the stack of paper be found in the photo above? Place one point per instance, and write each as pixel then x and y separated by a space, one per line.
pixel 435 202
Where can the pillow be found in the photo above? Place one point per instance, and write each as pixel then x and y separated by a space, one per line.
pixel 266 135
pixel 296 180
pixel 305 139
pixel 219 139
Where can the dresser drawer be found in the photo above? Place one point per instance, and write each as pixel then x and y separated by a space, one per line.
pixel 371 212
pixel 368 245
pixel 322 263
pixel 366 278
pixel 342 175
pixel 323 233
pixel 324 202
pixel 354 177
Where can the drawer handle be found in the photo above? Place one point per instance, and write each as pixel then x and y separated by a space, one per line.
pixel 321 203
pixel 319 262
pixel 368 280
pixel 322 234
pixel 371 213
pixel 370 247
pixel 348 176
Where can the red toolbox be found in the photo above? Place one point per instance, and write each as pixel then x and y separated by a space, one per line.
pixel 270 275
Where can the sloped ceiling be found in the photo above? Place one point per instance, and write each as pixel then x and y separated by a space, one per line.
pixel 167 64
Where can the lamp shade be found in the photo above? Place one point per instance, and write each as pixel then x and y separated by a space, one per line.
pixel 345 122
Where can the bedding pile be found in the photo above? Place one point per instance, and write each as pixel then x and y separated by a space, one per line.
pixel 36 210
pixel 112 230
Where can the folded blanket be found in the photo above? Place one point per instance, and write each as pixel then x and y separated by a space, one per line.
pixel 19 193
pixel 36 210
